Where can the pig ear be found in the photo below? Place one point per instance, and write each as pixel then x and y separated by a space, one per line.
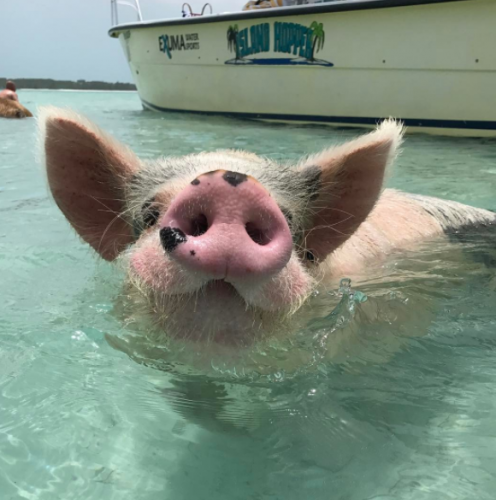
pixel 345 182
pixel 87 173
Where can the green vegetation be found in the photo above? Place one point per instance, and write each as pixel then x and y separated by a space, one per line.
pixel 47 83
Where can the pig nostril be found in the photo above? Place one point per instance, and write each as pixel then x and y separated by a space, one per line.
pixel 199 225
pixel 258 235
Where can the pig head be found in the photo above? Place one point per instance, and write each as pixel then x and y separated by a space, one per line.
pixel 225 246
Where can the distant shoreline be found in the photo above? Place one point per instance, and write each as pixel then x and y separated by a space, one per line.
pixel 76 90
pixel 49 84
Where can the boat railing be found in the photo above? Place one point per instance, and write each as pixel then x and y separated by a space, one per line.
pixel 114 9
pixel 191 13
pixel 135 5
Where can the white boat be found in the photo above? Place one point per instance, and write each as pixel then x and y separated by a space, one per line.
pixel 430 63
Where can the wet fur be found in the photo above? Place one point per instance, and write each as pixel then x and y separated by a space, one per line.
pixel 13 109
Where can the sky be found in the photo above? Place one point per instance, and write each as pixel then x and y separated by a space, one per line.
pixel 68 40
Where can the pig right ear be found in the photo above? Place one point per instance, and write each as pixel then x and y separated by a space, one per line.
pixel 344 183
pixel 87 172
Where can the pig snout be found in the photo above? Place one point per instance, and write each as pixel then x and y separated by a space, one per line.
pixel 225 225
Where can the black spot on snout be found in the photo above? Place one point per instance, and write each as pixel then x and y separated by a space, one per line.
pixel 170 237
pixel 234 178
pixel 192 252
pixel 195 182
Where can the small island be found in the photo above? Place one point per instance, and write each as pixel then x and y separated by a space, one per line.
pixel 48 83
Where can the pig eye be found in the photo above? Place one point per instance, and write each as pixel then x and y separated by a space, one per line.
pixel 150 215
pixel 309 256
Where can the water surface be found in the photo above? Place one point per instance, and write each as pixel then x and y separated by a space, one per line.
pixel 410 418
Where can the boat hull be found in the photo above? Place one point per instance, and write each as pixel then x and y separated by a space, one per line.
pixel 432 65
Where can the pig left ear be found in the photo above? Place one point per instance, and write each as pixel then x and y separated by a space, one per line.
pixel 87 173
pixel 345 182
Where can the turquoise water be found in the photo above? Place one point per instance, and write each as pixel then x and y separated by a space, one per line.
pixel 409 414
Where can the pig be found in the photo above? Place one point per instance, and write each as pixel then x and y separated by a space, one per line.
pixel 225 247
pixel 10 108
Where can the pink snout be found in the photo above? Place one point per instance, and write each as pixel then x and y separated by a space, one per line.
pixel 225 225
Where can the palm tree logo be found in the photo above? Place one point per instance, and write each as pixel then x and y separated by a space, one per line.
pixel 318 38
pixel 283 43
pixel 232 40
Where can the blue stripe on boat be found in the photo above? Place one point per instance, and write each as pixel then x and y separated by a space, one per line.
pixel 352 120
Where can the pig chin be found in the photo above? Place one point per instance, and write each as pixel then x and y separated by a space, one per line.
pixel 217 313
pixel 190 305
pixel 214 313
